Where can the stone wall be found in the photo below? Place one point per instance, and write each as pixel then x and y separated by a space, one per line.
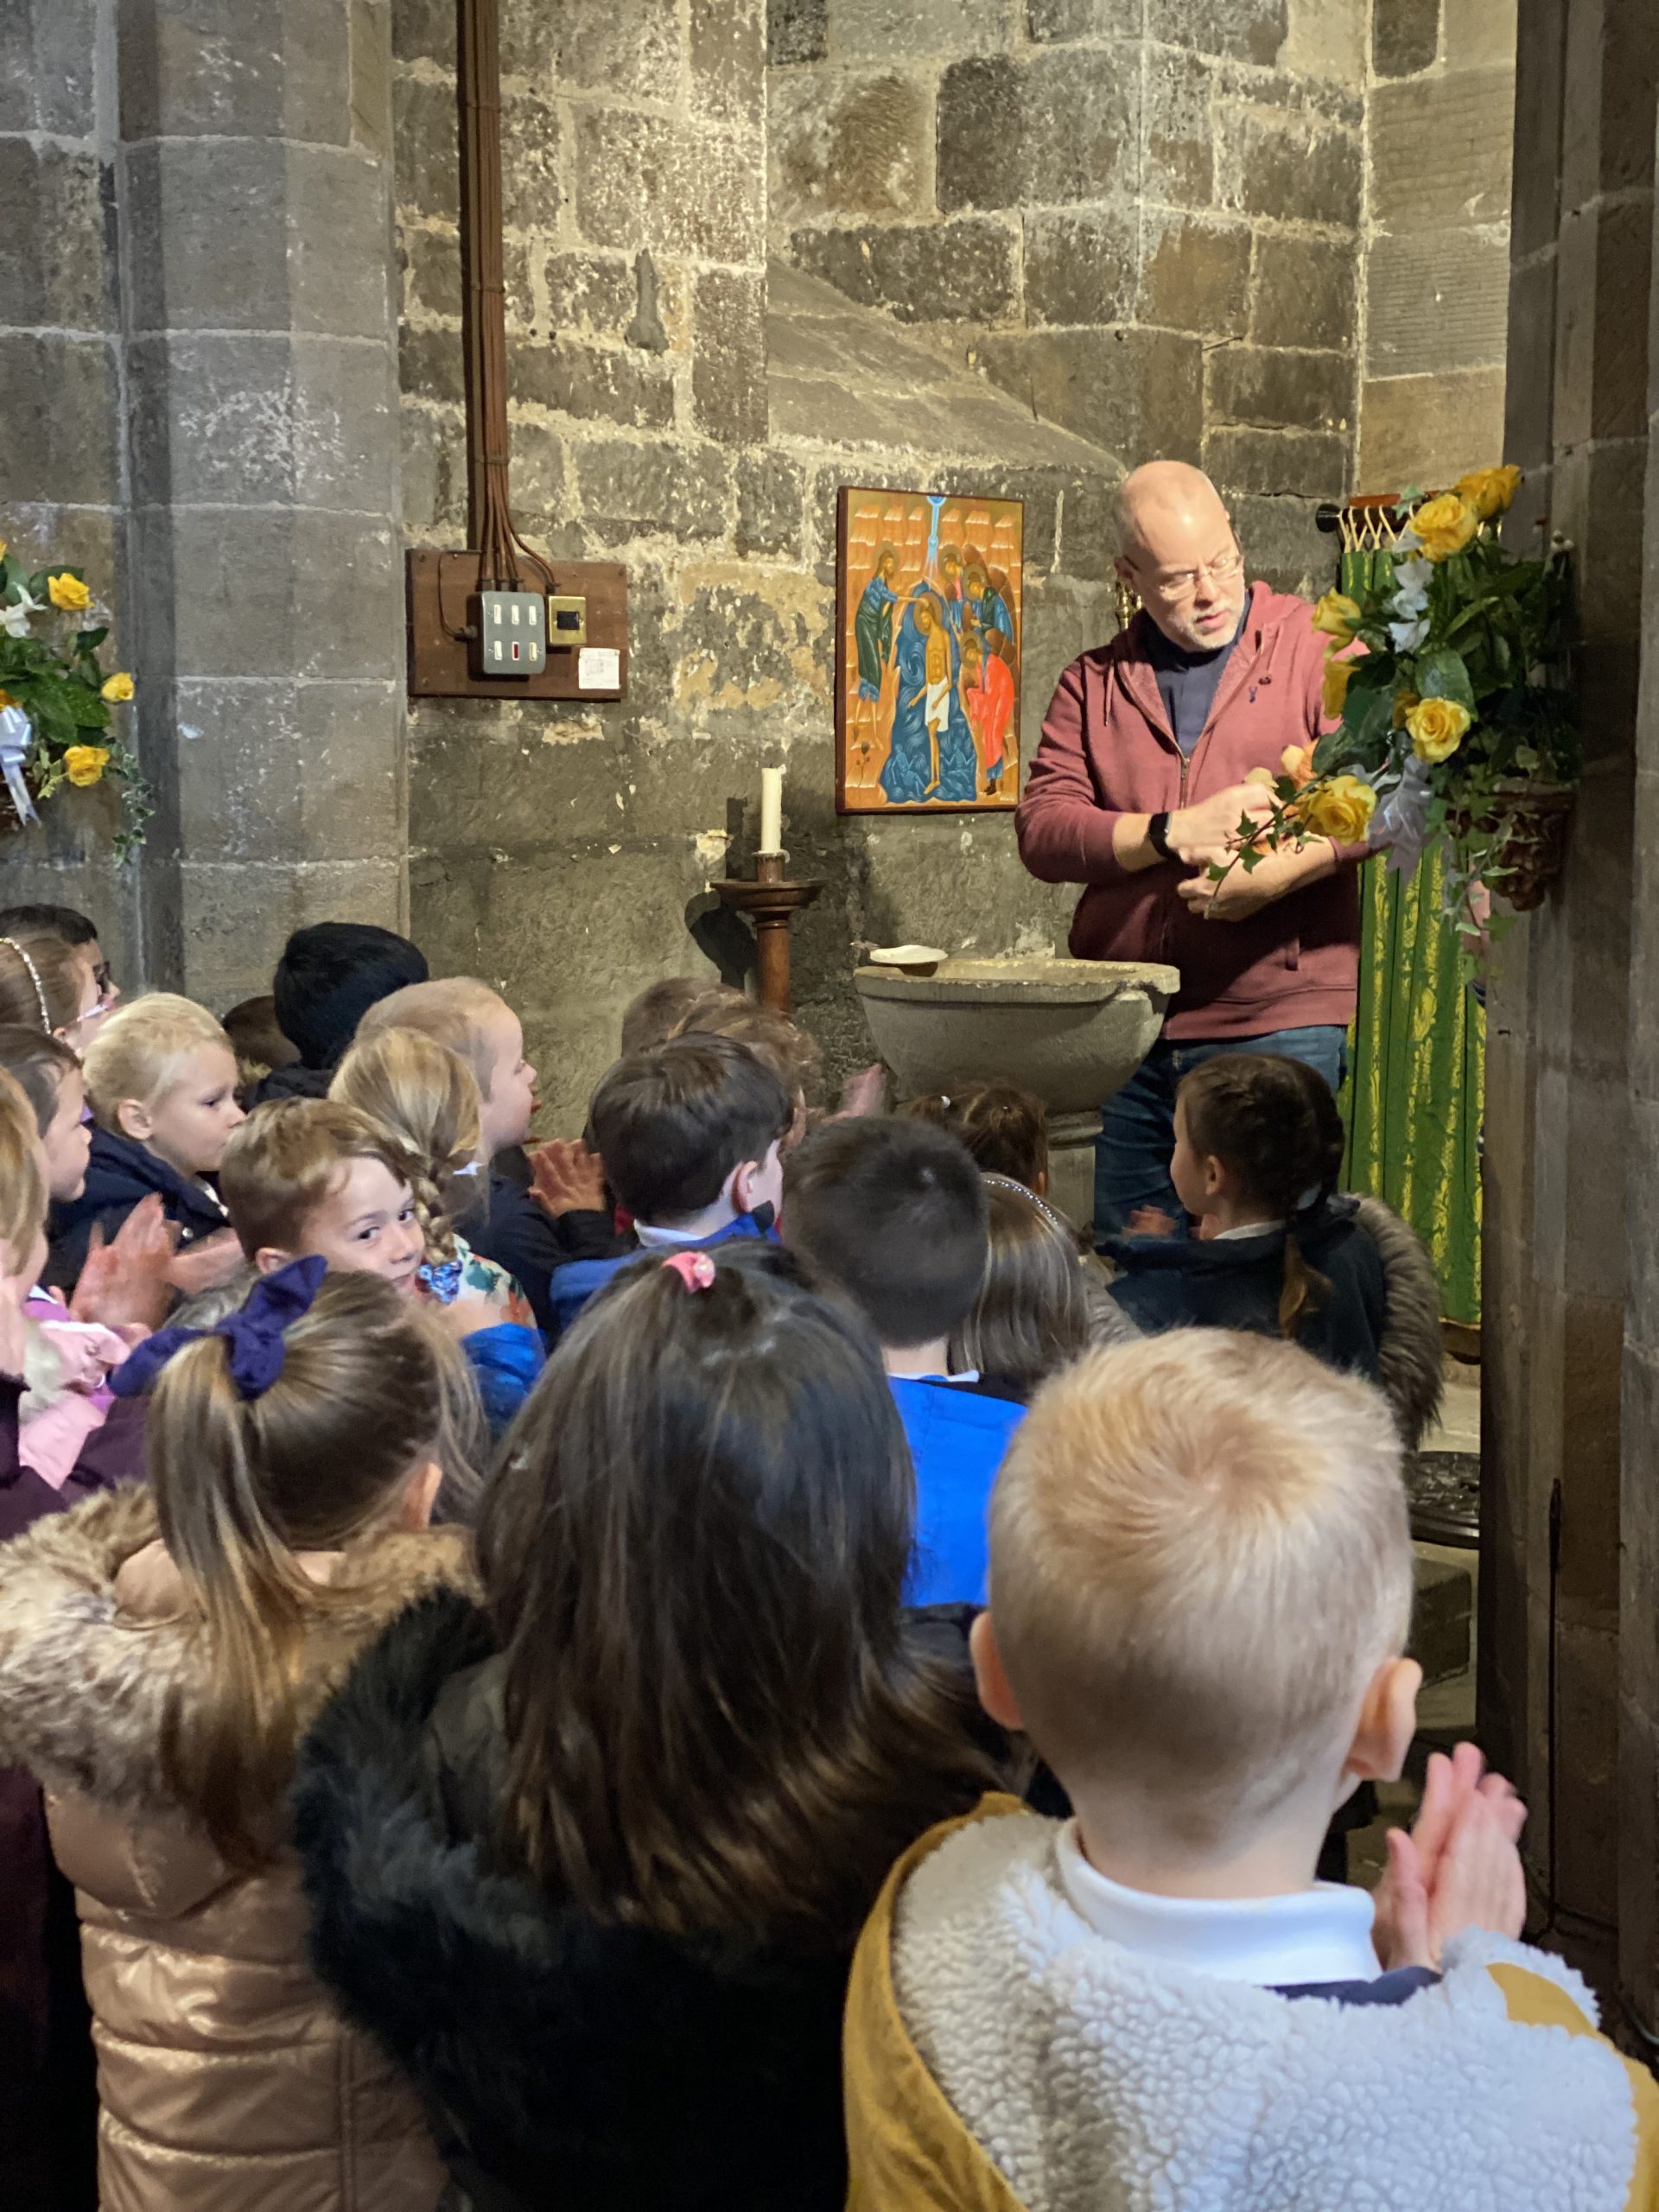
pixel 1141 217
pixel 669 411
pixel 1435 267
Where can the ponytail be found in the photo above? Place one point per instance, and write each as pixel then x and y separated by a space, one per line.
pixel 427 1096
pixel 1274 1124
pixel 367 1389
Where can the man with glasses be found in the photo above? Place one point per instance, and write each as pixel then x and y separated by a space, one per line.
pixel 1139 784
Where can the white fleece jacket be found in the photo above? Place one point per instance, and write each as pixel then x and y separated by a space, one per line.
pixel 1098 2082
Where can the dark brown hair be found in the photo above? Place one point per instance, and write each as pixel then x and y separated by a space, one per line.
pixel 670 1124
pixel 694 1551
pixel 1273 1124
pixel 37 1063
pixel 653 1015
pixel 892 1214
pixel 366 1391
pixel 1031 1315
pixel 1003 1127
pixel 776 1041
pixel 41 983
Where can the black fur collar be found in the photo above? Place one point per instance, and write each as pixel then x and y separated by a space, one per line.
pixel 563 2064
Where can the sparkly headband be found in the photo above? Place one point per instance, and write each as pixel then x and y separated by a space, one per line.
pixel 35 978
pixel 1054 1220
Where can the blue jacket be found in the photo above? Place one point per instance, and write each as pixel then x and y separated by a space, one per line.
pixel 957 1437
pixel 120 1171
pixel 519 1235
pixel 578 1280
pixel 506 1362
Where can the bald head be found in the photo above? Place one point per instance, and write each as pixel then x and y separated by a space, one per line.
pixel 1177 547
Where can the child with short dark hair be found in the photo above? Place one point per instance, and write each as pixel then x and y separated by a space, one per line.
pixel 256 1039
pixel 588 1861
pixel 160 1078
pixel 1200 1590
pixel 892 1215
pixel 690 1135
pixel 329 976
pixel 1259 1149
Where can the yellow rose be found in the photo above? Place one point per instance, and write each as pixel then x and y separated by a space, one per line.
pixel 1445 526
pixel 116 688
pixel 1403 703
pixel 1341 809
pixel 1437 727
pixel 1488 491
pixel 1296 761
pixel 68 592
pixel 1337 616
pixel 1336 675
pixel 85 764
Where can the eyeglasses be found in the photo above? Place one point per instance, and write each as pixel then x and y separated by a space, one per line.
pixel 1181 583
pixel 104 976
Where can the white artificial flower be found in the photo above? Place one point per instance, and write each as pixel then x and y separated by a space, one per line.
pixel 14 619
pixel 1414 575
pixel 1406 637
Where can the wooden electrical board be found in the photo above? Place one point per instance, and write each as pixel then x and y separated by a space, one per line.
pixel 440 584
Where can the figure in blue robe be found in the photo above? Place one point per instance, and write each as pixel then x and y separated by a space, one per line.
pixel 932 754
pixel 872 625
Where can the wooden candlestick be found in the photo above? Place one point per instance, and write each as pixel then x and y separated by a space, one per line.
pixel 772 903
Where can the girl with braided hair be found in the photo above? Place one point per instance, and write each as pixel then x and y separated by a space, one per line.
pixel 1258 1153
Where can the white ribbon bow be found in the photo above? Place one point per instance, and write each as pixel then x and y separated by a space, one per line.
pixel 14 751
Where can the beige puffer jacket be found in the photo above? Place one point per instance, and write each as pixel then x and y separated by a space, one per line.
pixel 226 2082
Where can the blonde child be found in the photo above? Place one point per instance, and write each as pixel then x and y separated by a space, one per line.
pixel 1200 1588
pixel 317 1177
pixel 516 1229
pixel 161 1652
pixel 160 1079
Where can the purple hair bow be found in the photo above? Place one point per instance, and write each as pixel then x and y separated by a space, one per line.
pixel 254 1333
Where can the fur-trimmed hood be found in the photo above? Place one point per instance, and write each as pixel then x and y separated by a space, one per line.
pixel 86 1688
pixel 604 2065
pixel 1410 1359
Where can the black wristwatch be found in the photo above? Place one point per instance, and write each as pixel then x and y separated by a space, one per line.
pixel 1158 836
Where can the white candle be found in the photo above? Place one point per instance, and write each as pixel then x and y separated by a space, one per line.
pixel 771 809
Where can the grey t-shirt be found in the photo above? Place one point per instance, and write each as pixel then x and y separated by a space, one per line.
pixel 1187 681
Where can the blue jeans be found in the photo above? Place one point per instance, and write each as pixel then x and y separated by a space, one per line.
pixel 1137 1135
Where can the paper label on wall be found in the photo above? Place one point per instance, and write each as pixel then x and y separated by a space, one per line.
pixel 598 668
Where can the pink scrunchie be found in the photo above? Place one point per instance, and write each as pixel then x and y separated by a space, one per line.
pixel 694 1269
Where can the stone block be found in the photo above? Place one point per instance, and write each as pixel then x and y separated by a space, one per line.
pixel 1295 172
pixel 430 364
pixel 649 181
pixel 17 71
pixel 1060 128
pixel 60 403
pixel 513 778
pixel 434 470
pixel 1132 393
pixel 1278 464
pixel 426 132
pixel 1305 293
pixel 1441 150
pixel 539 492
pixel 1088 529
pixel 1531 363
pixel 600 47
pixel 1054 22
pixel 1080 268
pixel 529 162
pixel 797 30
pixel 236 916
pixel 54 262
pixel 1436 300
pixel 652 488
pixel 285 771
pixel 859 144
pixel 191 67
pixel 771 500
pixel 1271 388
pixel 1428 429
pixel 431 266
pixel 924 27
pixel 962 271
pixel 1608 74
pixel 1536 199
pixel 598 293
pixel 1329 41
pixel 1282 543
pixel 1406 35
pixel 424 30
pixel 728 361
pixel 1180 130
pixel 1196 274
pixel 727 41
pixel 1245 30
pixel 1602 280
pixel 1478 32
pixel 608 383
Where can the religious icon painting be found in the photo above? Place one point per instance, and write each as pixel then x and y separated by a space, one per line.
pixel 929 605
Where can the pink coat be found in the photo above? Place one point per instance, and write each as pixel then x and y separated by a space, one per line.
pixel 1108 749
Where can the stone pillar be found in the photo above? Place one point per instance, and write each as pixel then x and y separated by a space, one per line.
pixel 254 199
pixel 1561 1152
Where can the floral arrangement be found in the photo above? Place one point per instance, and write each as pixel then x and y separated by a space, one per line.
pixel 56 700
pixel 1456 722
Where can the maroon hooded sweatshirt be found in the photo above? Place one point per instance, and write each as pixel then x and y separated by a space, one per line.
pixel 1108 749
